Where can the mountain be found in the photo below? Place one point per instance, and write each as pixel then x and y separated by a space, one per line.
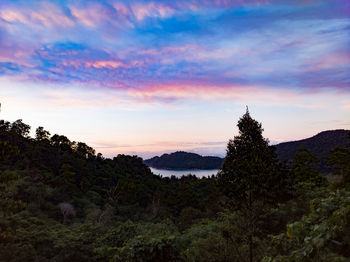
pixel 320 145
pixel 184 160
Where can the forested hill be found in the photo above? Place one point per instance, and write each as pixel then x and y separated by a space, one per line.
pixel 320 145
pixel 184 160
pixel 60 201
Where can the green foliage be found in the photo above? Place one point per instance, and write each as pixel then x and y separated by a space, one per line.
pixel 340 160
pixel 251 177
pixel 60 201
pixel 319 145
pixel 188 216
pixel 250 169
pixel 7 151
pixel 303 168
pixel 214 240
pixel 322 235
pixel 143 249
pixel 8 204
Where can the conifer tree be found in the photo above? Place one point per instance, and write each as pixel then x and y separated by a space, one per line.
pixel 250 174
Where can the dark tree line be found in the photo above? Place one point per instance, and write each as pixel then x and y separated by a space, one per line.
pixel 62 201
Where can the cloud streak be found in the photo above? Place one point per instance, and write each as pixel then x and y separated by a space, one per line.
pixel 162 52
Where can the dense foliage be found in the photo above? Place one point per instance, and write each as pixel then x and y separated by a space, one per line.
pixel 184 160
pixel 252 177
pixel 60 201
pixel 319 145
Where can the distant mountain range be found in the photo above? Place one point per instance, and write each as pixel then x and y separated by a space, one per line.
pixel 320 145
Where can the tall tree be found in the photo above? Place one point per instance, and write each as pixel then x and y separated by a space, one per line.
pixel 249 175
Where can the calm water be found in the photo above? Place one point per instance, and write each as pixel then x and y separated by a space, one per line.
pixel 179 173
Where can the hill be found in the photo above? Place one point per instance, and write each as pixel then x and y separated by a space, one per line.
pixel 60 201
pixel 184 160
pixel 320 145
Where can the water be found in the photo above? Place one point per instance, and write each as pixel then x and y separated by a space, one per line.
pixel 178 173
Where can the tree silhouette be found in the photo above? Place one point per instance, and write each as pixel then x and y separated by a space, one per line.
pixel 41 134
pixel 248 174
pixel 20 128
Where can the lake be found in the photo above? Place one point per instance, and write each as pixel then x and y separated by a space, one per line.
pixel 178 173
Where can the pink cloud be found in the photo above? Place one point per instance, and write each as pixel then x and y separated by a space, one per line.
pixel 13 16
pixel 151 9
pixel 346 104
pixel 11 52
pixel 329 61
pixel 106 64
pixel 47 14
pixel 98 64
pixel 51 15
pixel 177 91
pixel 94 14
pixel 91 15
pixel 122 9
pixel 142 10
pixel 195 5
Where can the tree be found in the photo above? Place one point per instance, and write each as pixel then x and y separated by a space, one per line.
pixel 41 134
pixel 340 160
pixel 8 203
pixel 303 168
pixel 249 175
pixel 61 142
pixel 20 128
pixel 84 150
pixel 4 126
pixel 7 151
pixel 67 174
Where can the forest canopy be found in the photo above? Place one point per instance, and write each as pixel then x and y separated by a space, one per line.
pixel 62 201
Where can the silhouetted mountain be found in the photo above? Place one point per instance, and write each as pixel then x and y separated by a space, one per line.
pixel 184 160
pixel 320 145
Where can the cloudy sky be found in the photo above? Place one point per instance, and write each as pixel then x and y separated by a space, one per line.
pixel 146 77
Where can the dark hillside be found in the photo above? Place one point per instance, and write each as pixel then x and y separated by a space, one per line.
pixel 320 145
pixel 184 160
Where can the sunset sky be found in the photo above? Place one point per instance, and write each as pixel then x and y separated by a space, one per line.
pixel 147 77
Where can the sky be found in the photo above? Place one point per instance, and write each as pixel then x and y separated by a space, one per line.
pixel 148 77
